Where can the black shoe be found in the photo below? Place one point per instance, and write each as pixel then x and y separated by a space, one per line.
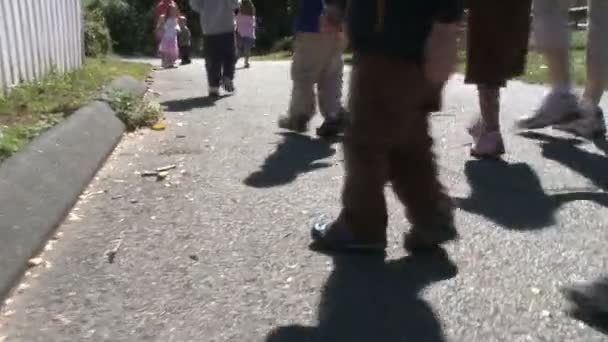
pixel 423 239
pixel 336 237
pixel 296 124
pixel 331 128
pixel 228 85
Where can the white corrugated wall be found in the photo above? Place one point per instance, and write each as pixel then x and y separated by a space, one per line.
pixel 37 36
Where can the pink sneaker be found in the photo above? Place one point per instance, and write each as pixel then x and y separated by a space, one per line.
pixel 488 145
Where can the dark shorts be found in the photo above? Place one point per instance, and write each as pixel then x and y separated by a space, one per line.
pixel 245 44
pixel 498 33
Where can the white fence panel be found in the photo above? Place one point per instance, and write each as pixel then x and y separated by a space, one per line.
pixel 37 36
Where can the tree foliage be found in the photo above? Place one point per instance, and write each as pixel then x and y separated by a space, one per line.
pixel 131 23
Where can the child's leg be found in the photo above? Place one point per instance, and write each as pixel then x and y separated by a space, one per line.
pixel 597 52
pixel 247 53
pixel 213 62
pixel 330 90
pixel 487 140
pixel 304 73
pixel 364 213
pixel 489 103
pixel 330 82
pixel 552 37
pixel 414 175
pixel 229 55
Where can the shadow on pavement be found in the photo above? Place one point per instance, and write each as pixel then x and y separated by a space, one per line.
pixel 588 302
pixel 184 105
pixel 602 145
pixel 368 299
pixel 566 152
pixel 512 195
pixel 295 154
pixel 509 194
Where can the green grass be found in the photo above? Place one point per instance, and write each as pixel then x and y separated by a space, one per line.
pixel 31 108
pixel 536 70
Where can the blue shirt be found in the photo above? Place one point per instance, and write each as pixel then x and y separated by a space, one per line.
pixel 309 12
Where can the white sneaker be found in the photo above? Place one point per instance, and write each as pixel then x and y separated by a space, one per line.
pixel 557 108
pixel 590 123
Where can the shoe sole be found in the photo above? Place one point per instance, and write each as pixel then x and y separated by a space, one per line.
pixel 413 246
pixel 497 155
pixel 321 243
pixel 531 125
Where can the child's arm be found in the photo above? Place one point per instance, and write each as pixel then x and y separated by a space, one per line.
pixel 442 49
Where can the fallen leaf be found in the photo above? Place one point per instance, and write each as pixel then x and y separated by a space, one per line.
pixel 159 126
pixel 111 254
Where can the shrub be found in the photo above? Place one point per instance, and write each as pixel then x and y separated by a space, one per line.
pixel 135 112
pixel 97 40
pixel 130 26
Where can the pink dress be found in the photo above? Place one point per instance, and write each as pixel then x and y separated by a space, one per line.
pixel 168 43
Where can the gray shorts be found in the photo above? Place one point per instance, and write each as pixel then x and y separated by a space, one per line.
pixel 245 44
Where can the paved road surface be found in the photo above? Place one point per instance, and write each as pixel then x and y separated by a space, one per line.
pixel 218 251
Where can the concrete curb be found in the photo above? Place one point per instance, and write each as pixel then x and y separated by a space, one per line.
pixel 39 185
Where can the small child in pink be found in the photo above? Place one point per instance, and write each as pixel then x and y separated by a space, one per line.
pixel 245 28
pixel 168 28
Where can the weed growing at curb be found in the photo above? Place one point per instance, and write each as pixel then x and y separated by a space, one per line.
pixel 135 112
pixel 30 108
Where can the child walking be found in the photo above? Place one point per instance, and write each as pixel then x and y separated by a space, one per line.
pixel 245 28
pixel 218 24
pixel 317 60
pixel 497 45
pixel 168 28
pixel 184 41
pixel 404 52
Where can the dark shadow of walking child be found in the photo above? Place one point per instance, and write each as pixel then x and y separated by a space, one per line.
pixel 368 299
pixel 511 195
pixel 295 154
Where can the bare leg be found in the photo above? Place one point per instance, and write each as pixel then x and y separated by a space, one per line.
pixel 552 36
pixel 489 103
pixel 597 52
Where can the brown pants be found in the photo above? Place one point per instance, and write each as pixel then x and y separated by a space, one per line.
pixel 388 141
